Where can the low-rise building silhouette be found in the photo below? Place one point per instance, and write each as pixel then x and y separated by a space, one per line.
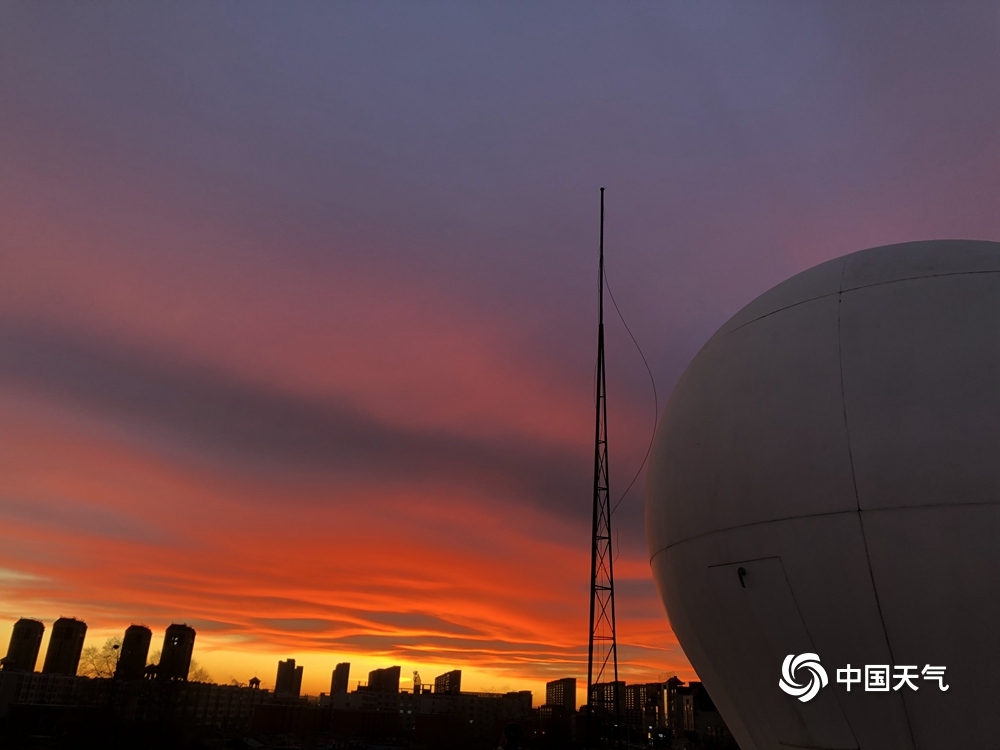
pixel 25 643
pixel 65 646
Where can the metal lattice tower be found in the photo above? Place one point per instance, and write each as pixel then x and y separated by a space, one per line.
pixel 602 665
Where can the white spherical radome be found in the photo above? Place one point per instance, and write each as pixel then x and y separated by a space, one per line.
pixel 825 479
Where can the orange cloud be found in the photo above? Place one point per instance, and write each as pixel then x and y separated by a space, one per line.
pixel 118 511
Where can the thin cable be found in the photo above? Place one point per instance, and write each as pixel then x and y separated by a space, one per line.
pixel 656 402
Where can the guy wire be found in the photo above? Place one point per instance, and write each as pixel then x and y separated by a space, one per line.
pixel 652 382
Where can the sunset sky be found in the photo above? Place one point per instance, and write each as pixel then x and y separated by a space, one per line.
pixel 298 301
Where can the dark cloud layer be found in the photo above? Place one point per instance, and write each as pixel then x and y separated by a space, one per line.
pixel 254 427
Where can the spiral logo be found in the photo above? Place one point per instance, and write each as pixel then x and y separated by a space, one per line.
pixel 816 678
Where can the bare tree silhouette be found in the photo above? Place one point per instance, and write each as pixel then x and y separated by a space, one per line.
pixel 100 662
pixel 198 673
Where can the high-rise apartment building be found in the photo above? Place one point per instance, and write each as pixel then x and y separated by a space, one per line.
pixel 450 683
pixel 175 657
pixel 384 680
pixel 65 646
pixel 341 676
pixel 561 693
pixel 134 652
pixel 646 704
pixel 25 643
pixel 603 695
pixel 288 683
